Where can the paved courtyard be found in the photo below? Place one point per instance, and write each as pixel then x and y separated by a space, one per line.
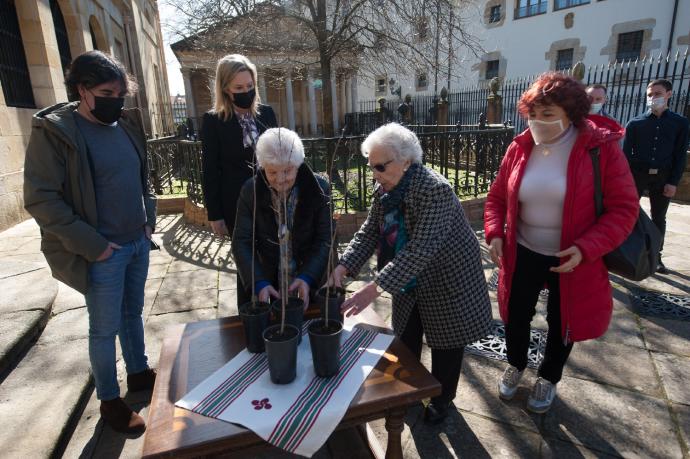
pixel 625 394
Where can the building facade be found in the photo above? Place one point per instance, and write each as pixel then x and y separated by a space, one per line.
pixel 527 37
pixel 39 40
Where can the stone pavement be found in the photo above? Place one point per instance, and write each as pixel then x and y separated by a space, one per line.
pixel 625 394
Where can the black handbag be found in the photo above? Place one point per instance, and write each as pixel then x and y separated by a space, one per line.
pixel 638 256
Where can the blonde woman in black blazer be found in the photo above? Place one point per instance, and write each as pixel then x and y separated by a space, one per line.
pixel 229 133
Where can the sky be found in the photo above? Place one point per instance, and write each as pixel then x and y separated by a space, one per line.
pixel 174 76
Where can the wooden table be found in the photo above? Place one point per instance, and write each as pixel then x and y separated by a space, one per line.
pixel 192 352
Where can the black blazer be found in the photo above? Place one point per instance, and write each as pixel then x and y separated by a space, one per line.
pixel 226 163
pixel 310 233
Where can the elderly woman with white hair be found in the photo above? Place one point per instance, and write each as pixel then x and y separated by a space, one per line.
pixel 283 177
pixel 428 259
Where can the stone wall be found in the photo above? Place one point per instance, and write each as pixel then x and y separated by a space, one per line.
pixel 15 127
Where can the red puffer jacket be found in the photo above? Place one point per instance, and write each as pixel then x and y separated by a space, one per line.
pixel 586 297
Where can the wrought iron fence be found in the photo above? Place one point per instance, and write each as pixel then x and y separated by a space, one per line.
pixel 469 159
pixel 626 84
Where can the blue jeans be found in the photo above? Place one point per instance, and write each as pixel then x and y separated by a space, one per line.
pixel 115 302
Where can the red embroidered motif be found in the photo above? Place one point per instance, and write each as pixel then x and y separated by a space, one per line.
pixel 261 404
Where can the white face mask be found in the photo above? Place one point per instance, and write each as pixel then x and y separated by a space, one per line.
pixel 545 131
pixel 656 102
pixel 596 108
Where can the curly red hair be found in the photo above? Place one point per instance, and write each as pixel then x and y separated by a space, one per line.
pixel 555 88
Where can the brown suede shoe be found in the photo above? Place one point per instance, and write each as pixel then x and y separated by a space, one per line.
pixel 143 380
pixel 121 417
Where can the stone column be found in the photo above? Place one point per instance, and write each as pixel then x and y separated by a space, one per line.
pixel 188 93
pixel 262 87
pixel 334 93
pixel 348 96
pixel 42 54
pixel 312 103
pixel 290 100
pixel 355 99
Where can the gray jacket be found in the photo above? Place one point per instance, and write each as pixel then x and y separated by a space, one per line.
pixel 442 253
pixel 59 191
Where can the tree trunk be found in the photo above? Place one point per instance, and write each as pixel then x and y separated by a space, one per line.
pixel 327 97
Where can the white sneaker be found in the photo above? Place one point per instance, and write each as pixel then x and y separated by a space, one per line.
pixel 508 384
pixel 542 396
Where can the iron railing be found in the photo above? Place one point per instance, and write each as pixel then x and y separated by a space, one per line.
pixel 626 84
pixel 468 158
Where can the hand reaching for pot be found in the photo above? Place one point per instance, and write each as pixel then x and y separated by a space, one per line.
pixel 359 300
pixel 266 293
pixel 337 276
pixel 302 289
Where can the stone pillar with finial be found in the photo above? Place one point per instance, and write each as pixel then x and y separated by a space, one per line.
pixel 442 107
pixel 494 103
pixel 579 71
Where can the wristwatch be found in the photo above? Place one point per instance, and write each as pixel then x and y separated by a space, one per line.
pixel 379 290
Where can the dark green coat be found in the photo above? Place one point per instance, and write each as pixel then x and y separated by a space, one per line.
pixel 59 191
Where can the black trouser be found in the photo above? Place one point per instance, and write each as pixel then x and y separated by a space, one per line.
pixel 654 183
pixel 445 363
pixel 531 275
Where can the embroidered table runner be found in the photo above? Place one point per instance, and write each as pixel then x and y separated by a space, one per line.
pixel 297 417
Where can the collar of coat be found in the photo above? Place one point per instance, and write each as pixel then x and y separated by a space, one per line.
pixel 310 195
pixel 594 131
pixel 59 119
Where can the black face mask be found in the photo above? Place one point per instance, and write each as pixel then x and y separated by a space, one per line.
pixel 107 110
pixel 244 99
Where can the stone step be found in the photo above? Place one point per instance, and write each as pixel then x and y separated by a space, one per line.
pixel 28 291
pixel 41 399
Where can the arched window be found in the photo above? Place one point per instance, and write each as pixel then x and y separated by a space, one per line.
pixel 97 37
pixel 61 35
pixel 14 73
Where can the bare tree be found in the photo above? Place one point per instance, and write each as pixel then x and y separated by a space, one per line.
pixel 366 36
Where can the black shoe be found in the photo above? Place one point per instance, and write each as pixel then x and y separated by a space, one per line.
pixel 661 268
pixel 435 413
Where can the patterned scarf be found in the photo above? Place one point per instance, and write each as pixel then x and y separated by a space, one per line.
pixel 393 234
pixel 285 232
pixel 249 131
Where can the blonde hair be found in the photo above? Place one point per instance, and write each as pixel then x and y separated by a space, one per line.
pixel 227 69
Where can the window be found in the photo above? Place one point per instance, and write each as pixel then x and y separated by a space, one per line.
pixel 61 35
pixel 564 59
pixel 528 8
pixel 93 37
pixel 14 73
pixel 491 69
pixel 562 4
pixel 629 45
pixel 381 85
pixel 495 14
pixel 422 82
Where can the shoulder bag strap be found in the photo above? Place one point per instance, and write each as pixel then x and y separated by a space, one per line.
pixel 598 197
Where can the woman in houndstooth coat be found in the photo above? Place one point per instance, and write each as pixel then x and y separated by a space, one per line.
pixel 428 259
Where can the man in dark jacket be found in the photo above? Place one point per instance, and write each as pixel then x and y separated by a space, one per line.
pixel 656 145
pixel 86 184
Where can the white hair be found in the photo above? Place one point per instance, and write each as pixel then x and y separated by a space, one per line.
pixel 279 147
pixel 399 140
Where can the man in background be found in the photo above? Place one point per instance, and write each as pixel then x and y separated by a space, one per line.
pixel 656 145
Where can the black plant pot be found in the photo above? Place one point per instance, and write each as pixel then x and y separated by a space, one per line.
pixel 281 350
pixel 294 313
pixel 324 338
pixel 336 296
pixel 256 317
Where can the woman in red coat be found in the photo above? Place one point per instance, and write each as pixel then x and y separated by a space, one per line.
pixel 542 230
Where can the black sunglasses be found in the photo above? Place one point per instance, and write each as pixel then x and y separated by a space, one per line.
pixel 380 167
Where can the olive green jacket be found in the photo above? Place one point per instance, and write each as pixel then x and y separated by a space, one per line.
pixel 59 191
